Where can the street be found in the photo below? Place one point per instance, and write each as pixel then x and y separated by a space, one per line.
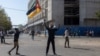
pixel 79 46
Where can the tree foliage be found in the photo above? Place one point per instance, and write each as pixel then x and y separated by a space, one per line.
pixel 98 14
pixel 4 22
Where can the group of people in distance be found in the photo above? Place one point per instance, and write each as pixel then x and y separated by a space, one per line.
pixel 51 38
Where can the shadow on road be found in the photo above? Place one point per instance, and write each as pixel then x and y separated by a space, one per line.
pixel 17 55
pixel 82 49
pixel 8 43
pixel 54 55
pixel 21 55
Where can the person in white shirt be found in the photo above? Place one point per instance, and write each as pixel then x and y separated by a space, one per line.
pixel 67 37
pixel 2 36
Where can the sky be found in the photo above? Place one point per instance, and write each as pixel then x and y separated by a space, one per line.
pixel 16 10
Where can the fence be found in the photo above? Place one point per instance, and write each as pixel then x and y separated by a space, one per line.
pixel 79 31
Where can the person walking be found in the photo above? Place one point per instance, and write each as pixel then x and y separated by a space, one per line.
pixel 32 33
pixel 16 44
pixel 66 37
pixel 51 37
pixel 2 37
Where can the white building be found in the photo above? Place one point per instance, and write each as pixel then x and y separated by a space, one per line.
pixel 64 12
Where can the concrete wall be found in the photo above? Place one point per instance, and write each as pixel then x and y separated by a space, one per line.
pixel 92 22
pixel 88 8
pixel 58 11
pixel 49 10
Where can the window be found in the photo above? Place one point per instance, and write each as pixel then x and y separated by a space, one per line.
pixel 71 20
pixel 71 10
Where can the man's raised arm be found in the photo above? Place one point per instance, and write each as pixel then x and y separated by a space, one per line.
pixel 45 24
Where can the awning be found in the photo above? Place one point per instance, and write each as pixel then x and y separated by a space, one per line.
pixel 36 23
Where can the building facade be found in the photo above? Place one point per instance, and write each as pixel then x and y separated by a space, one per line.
pixel 87 12
pixel 63 12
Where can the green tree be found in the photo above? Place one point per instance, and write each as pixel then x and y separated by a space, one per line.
pixel 4 22
pixel 98 14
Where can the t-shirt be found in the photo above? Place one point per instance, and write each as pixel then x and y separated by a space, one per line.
pixel 66 33
pixel 51 31
pixel 16 35
pixel 1 33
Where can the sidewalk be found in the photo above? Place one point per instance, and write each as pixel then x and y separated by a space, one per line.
pixel 79 46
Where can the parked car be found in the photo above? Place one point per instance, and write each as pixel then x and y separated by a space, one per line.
pixel 10 32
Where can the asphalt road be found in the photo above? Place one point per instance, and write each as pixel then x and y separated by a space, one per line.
pixel 79 46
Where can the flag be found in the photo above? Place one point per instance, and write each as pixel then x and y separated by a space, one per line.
pixel 35 10
pixel 38 8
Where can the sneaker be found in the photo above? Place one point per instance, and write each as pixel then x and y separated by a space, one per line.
pixel 9 53
pixel 55 54
pixel 65 47
pixel 69 47
pixel 17 53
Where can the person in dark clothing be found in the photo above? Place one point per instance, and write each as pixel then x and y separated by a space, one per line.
pixel 32 33
pixel 16 44
pixel 51 36
pixel 2 36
